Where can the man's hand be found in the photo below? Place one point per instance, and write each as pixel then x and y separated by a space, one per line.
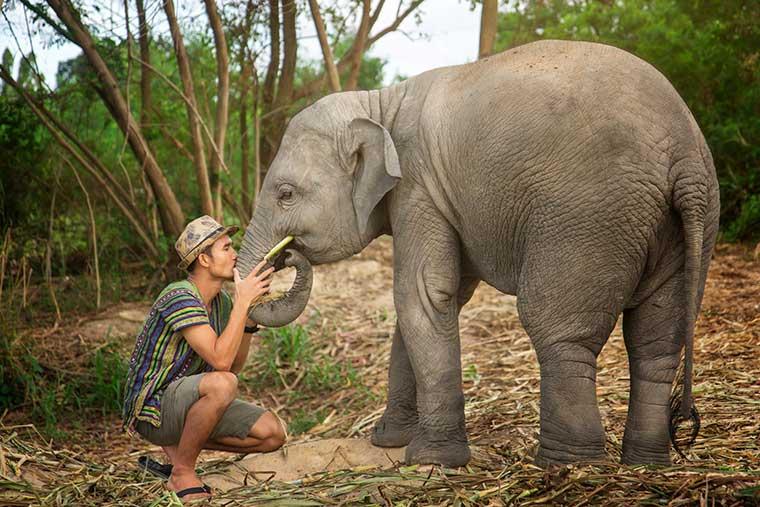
pixel 252 287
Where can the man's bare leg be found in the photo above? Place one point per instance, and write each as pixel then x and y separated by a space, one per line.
pixel 170 451
pixel 217 390
pixel 266 435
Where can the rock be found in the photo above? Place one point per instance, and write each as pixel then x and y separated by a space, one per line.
pixel 300 460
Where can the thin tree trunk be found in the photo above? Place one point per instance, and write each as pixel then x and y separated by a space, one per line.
pixel 256 97
pixel 488 18
pixel 257 147
pixel 4 259
pixel 245 75
pixel 146 98
pixel 246 71
pixel 273 68
pixel 222 104
pixel 285 82
pixel 311 87
pixel 201 170
pixel 172 216
pixel 330 69
pixel 358 47
pixel 49 256
pixel 93 229
pixel 290 47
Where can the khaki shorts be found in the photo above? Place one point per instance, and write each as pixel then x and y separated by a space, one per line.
pixel 176 402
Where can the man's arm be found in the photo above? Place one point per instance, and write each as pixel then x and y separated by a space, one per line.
pixel 242 354
pixel 221 351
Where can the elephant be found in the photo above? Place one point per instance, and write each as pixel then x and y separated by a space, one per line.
pixel 568 174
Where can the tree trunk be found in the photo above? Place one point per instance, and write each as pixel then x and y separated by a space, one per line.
pixel 245 61
pixel 488 18
pixel 273 68
pixel 290 47
pixel 245 75
pixel 313 86
pixel 145 76
pixel 222 107
pixel 359 47
pixel 201 170
pixel 172 216
pixel 330 69
pixel 269 92
pixel 284 95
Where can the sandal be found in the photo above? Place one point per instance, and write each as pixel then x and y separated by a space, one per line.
pixel 193 491
pixel 154 467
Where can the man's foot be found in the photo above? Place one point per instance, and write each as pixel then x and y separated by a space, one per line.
pixel 183 481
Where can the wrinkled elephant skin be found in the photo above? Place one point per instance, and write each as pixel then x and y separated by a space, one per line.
pixel 569 174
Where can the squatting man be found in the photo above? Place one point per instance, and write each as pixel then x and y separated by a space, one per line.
pixel 182 384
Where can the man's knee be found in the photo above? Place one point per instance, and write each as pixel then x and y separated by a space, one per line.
pixel 271 431
pixel 221 385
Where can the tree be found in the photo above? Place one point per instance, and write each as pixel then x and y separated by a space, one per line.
pixel 488 19
pixel 246 51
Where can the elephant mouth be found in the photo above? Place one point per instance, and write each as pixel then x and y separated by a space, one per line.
pixel 279 309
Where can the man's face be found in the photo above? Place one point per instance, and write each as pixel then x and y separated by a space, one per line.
pixel 222 258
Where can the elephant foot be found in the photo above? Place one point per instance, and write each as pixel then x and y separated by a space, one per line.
pixel 645 455
pixel 551 452
pixel 450 453
pixel 386 434
pixel 394 430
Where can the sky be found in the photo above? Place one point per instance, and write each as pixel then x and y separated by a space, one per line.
pixel 450 31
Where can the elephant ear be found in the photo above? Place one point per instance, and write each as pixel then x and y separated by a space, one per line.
pixel 379 171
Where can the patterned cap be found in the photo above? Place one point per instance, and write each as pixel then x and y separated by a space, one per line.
pixel 199 234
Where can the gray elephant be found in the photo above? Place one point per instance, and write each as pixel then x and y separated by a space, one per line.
pixel 569 174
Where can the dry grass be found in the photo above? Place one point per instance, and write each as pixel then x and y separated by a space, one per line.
pixel 352 323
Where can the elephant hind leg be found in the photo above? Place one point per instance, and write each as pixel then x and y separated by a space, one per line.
pixel 571 425
pixel 568 331
pixel 652 332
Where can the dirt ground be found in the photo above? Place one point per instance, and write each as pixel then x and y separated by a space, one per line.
pixel 352 316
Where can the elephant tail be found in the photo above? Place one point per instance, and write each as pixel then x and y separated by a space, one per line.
pixel 690 195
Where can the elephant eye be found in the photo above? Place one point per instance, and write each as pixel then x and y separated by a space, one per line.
pixel 285 194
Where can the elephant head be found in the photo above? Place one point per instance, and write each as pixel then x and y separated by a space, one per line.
pixel 325 187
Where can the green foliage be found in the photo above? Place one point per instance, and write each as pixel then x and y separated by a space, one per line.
pixel 288 357
pixel 303 420
pixel 707 49
pixel 23 142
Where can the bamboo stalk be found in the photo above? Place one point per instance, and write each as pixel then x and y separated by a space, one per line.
pixel 49 256
pixel 25 279
pixel 3 260
pixel 94 233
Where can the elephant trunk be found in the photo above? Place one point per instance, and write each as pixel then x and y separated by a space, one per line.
pixel 286 309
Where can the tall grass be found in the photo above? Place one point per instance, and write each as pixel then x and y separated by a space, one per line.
pixel 288 358
pixel 52 396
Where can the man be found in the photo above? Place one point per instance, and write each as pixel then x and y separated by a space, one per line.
pixel 181 386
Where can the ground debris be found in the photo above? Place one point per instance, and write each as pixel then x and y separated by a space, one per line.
pixel 352 319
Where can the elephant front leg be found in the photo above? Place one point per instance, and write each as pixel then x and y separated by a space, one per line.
pixel 398 424
pixel 426 283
